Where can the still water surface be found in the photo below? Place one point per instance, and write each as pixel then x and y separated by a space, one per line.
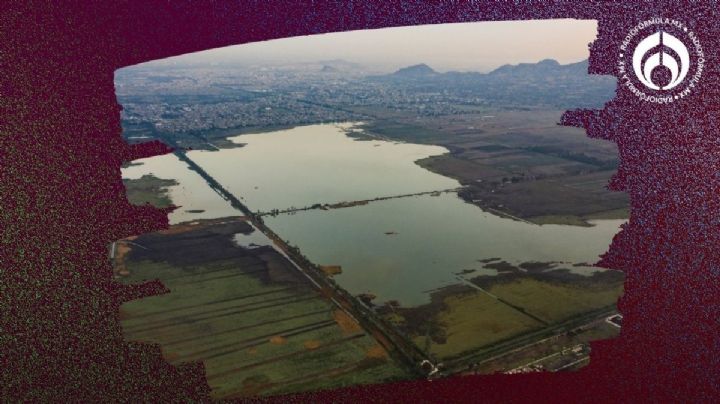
pixel 431 240
pixel 191 193
pixel 318 164
pixel 395 249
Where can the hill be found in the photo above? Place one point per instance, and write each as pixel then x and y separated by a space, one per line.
pixel 414 71
pixel 546 82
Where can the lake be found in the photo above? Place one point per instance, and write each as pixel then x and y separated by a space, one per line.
pixel 318 164
pixel 397 249
pixel 430 240
pixel 191 192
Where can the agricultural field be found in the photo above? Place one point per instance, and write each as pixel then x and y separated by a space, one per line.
pixel 259 327
pixel 552 302
pixel 467 324
pixel 517 161
pixel 551 353
pixel 473 320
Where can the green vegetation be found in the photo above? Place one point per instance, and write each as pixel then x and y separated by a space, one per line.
pixel 447 163
pixel 595 331
pixel 258 326
pixel 202 140
pixel 400 131
pixel 560 219
pixel 623 213
pixel 131 164
pixel 520 306
pixel 149 189
pixel 555 302
pixel 544 201
pixel 474 320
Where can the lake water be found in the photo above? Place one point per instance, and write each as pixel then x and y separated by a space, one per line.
pixel 395 249
pixel 191 193
pixel 432 238
pixel 318 164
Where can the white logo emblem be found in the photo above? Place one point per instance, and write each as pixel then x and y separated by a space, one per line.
pixel 678 68
pixel 666 44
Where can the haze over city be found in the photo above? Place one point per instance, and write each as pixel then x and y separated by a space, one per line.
pixel 480 46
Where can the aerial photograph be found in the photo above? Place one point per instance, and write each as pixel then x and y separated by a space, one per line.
pixel 373 206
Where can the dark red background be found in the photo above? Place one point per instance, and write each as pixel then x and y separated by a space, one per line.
pixel 62 199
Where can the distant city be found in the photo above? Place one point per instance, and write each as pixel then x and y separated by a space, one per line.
pixel 183 102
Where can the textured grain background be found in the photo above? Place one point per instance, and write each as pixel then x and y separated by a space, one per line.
pixel 62 200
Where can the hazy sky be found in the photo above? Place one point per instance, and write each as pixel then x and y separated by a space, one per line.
pixel 480 46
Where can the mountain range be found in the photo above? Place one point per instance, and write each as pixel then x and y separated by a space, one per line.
pixel 546 82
